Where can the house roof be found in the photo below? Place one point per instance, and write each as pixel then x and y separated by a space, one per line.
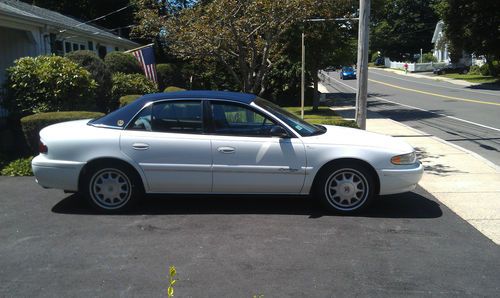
pixel 437 31
pixel 44 16
pixel 122 116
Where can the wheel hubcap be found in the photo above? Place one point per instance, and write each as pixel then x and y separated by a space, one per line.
pixel 346 189
pixel 110 188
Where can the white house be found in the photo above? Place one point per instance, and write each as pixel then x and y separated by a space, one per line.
pixel 28 30
pixel 441 49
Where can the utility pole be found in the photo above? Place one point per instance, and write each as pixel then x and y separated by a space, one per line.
pixel 302 81
pixel 362 83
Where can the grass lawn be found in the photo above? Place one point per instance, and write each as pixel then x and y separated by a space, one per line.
pixel 323 115
pixel 473 78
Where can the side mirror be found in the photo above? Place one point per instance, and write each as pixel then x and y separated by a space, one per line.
pixel 278 131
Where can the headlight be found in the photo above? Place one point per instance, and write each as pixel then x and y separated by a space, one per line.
pixel 404 159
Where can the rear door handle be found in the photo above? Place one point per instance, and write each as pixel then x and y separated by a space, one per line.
pixel 140 146
pixel 226 150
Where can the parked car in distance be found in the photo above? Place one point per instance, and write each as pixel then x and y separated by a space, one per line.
pixel 379 61
pixel 331 68
pixel 347 72
pixel 451 68
pixel 210 142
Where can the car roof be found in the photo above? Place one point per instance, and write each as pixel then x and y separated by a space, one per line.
pixel 122 116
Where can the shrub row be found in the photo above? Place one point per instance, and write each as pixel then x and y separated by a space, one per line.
pixel 32 124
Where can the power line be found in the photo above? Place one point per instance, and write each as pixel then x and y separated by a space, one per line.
pixel 98 18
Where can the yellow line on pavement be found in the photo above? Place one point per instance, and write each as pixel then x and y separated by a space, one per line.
pixel 439 95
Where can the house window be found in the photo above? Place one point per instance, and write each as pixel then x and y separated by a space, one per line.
pixel 91 46
pixel 82 47
pixel 67 46
pixel 58 48
pixel 102 51
pixel 75 47
pixel 117 49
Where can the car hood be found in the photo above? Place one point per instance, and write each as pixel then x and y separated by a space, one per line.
pixel 338 135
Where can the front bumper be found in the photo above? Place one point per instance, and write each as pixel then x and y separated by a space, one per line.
pixel 394 181
pixel 60 174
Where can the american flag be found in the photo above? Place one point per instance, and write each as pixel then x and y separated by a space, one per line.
pixel 146 57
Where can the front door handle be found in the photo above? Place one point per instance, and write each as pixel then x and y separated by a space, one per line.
pixel 140 146
pixel 226 150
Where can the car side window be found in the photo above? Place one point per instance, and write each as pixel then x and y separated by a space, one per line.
pixel 235 119
pixel 142 121
pixel 177 117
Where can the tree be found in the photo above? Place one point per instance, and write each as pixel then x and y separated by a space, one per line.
pixel 241 35
pixel 472 26
pixel 400 28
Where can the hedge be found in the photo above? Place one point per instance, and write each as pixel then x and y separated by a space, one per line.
pixel 173 89
pixel 48 83
pixel 126 99
pixel 336 122
pixel 122 62
pixel 32 124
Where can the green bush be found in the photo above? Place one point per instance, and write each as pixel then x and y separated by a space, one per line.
pixel 173 89
pixel 122 62
pixel 18 167
pixel 126 99
pixel 485 69
pixel 475 70
pixel 168 75
pixel 428 57
pixel 48 83
pixel 32 124
pixel 375 56
pixel 125 84
pixel 99 72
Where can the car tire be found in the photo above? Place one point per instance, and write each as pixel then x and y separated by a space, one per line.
pixel 345 187
pixel 111 187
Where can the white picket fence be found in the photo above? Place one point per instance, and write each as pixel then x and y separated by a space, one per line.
pixel 413 67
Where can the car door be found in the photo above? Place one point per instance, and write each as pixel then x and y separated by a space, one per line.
pixel 246 158
pixel 166 140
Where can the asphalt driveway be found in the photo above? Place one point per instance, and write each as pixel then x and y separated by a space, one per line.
pixel 406 245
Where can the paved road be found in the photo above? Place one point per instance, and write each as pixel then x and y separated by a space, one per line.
pixel 466 116
pixel 408 245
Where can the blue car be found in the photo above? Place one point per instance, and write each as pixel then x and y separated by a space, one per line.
pixel 347 72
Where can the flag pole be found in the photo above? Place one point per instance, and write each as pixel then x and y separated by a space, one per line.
pixel 141 47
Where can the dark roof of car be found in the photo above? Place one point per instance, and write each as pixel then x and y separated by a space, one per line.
pixel 234 96
pixel 122 116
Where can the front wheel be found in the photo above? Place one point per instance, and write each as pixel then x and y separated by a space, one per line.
pixel 111 188
pixel 345 188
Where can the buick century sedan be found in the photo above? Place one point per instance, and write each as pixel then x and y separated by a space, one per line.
pixel 208 142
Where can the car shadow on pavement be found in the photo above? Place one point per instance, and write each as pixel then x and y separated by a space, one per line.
pixel 407 205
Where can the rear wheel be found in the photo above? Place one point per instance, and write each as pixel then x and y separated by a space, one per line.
pixel 345 187
pixel 111 188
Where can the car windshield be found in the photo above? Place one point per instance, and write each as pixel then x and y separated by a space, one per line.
pixel 347 69
pixel 300 126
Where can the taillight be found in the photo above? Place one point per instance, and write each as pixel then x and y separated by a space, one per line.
pixel 42 148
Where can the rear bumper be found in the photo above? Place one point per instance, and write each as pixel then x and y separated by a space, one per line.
pixel 394 181
pixel 60 174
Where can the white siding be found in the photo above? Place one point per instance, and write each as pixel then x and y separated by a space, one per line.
pixel 13 45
